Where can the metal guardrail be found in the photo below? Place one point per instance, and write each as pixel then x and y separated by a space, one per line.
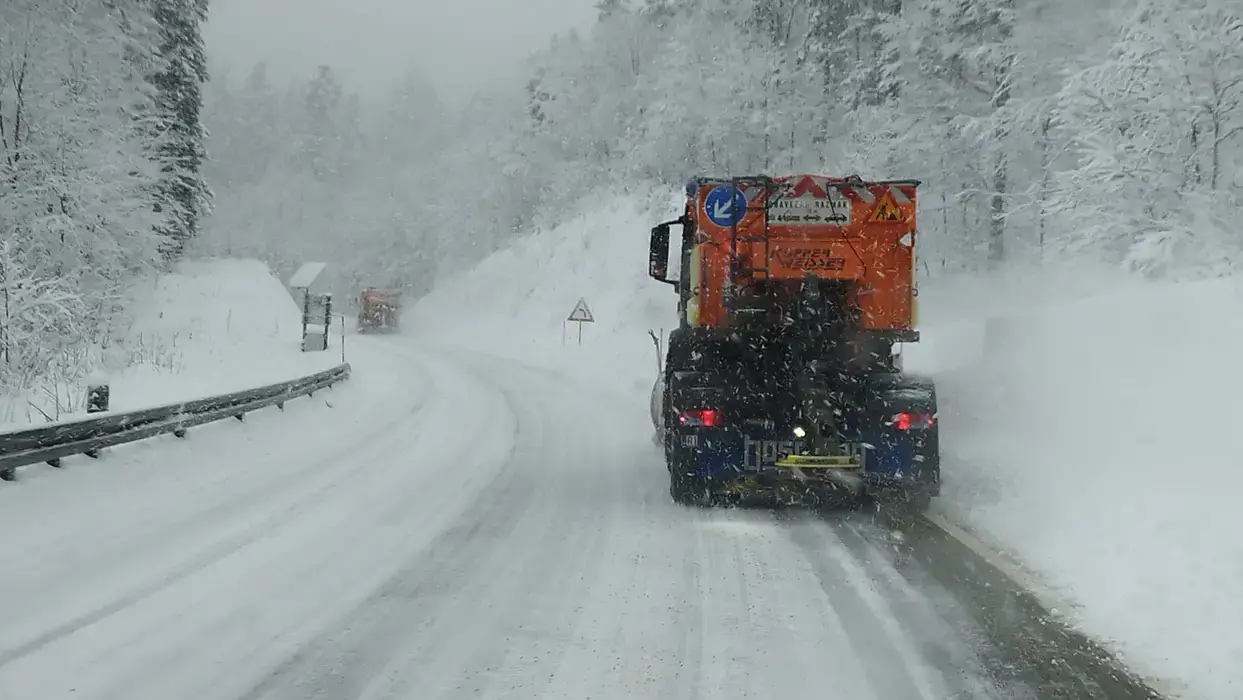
pixel 49 443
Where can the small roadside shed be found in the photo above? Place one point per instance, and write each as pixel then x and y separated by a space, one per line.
pixel 305 279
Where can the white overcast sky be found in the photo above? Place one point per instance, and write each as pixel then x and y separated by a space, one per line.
pixel 461 44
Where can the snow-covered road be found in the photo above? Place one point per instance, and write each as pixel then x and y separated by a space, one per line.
pixel 448 525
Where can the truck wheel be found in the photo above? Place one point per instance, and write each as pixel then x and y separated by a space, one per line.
pixel 928 466
pixel 677 488
pixel 689 490
pixel 685 488
pixel 680 489
pixel 673 388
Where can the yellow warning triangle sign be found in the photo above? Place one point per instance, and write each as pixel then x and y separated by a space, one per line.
pixel 887 210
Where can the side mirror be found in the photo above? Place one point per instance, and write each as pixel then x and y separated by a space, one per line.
pixel 658 258
pixel 658 254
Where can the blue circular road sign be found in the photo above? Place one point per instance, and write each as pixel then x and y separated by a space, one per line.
pixel 725 205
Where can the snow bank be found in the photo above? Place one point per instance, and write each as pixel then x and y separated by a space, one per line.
pixel 1093 439
pixel 516 302
pixel 212 327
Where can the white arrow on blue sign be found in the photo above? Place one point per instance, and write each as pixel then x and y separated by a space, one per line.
pixel 725 205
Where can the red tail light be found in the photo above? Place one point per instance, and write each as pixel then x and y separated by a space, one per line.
pixel 707 417
pixel 909 421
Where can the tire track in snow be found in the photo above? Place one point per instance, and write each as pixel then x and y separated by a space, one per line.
pixel 505 607
pixel 347 462
pixel 544 602
pixel 344 660
pixel 537 599
pixel 932 619
pixel 175 527
pixel 770 629
pixel 687 679
pixel 864 614
pixel 363 534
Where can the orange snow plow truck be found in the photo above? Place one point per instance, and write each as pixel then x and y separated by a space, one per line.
pixel 379 309
pixel 781 378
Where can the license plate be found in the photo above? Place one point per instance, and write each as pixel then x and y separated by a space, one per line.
pixel 760 455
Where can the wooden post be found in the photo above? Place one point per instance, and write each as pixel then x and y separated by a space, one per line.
pixel 327 318
pixel 306 312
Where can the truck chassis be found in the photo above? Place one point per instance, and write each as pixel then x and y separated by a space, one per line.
pixel 734 427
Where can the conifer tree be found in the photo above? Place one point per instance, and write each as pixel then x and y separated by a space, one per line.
pixel 183 196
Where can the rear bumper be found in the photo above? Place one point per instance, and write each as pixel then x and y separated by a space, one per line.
pixel 885 461
pixel 853 481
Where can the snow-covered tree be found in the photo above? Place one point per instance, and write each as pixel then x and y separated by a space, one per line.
pixel 184 196
pixel 988 103
pixel 77 220
pixel 1150 124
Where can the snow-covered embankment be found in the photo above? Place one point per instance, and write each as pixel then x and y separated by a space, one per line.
pixel 210 327
pixel 1093 439
pixel 517 301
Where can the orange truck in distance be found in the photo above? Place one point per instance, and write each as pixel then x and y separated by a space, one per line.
pixel 781 377
pixel 379 309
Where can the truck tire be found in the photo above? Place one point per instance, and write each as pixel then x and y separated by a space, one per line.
pixel 688 490
pixel 685 487
pixel 928 473
pixel 691 369
pixel 678 490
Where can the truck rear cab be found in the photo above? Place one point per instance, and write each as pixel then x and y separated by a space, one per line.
pixel 805 272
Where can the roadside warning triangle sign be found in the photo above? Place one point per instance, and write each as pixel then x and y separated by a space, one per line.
pixel 886 210
pixel 581 313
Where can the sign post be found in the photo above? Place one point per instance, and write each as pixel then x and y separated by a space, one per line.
pixel 314 338
pixel 581 314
